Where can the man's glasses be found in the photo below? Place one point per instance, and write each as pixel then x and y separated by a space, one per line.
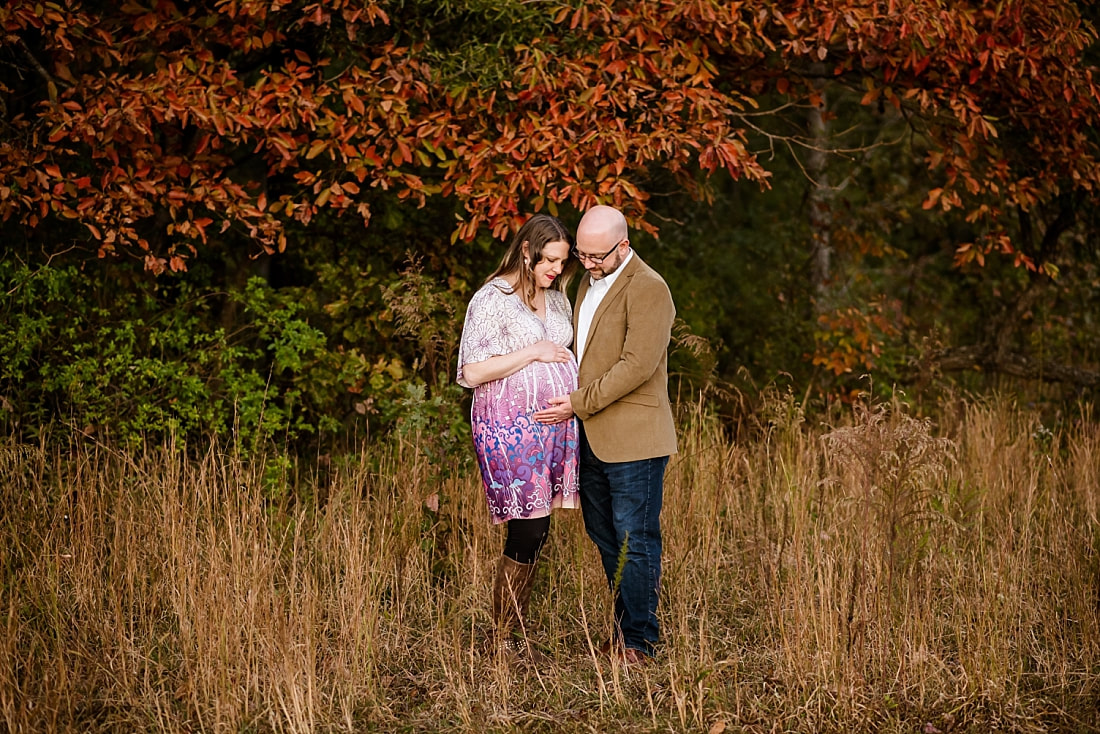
pixel 597 259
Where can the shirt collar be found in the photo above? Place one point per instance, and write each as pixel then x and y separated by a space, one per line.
pixel 607 281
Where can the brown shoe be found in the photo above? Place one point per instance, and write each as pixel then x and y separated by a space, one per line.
pixel 624 656
pixel 628 657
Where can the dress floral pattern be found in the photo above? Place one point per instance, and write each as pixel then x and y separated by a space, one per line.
pixel 527 468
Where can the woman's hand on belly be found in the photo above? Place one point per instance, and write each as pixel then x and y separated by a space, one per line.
pixel 547 351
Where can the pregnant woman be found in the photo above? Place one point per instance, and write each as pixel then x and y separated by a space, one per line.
pixel 515 354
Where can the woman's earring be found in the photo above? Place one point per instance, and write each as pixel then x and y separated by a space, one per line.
pixel 527 262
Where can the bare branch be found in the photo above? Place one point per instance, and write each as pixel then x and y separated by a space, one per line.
pixel 43 72
pixel 959 359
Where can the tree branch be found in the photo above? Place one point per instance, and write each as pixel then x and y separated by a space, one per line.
pixel 958 359
pixel 42 71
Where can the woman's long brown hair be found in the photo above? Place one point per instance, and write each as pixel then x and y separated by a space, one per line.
pixel 536 232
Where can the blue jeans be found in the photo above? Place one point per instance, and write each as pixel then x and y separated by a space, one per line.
pixel 621 503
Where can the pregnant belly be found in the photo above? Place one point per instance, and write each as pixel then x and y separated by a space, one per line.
pixel 524 392
pixel 549 379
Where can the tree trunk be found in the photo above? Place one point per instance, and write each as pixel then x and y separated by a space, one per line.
pixel 819 200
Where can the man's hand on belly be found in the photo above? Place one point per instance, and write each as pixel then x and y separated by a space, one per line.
pixel 560 409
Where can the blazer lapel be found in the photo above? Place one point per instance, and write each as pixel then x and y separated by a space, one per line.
pixel 582 290
pixel 616 289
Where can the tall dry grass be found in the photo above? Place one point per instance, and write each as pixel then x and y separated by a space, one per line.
pixel 882 574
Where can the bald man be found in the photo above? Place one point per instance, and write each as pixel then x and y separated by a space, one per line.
pixel 623 323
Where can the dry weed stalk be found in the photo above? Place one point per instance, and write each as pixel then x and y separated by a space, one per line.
pixel 891 466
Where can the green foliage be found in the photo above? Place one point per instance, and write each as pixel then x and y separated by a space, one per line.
pixel 75 349
pixel 64 357
pixel 150 359
pixel 347 351
pixel 472 41
pixel 736 268
pixel 436 425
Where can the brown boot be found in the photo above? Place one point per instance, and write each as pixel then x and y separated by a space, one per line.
pixel 511 597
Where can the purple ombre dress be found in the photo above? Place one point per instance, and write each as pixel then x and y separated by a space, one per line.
pixel 527 468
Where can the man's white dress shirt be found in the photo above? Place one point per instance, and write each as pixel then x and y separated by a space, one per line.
pixel 596 291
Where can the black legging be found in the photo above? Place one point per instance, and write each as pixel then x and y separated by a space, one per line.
pixel 525 539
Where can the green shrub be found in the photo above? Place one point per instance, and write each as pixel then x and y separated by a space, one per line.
pixel 104 351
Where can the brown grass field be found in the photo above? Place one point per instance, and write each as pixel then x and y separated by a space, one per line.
pixel 880 574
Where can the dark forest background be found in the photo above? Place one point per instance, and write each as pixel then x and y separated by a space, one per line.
pixel 264 220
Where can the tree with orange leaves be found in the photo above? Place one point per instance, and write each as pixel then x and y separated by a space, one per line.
pixel 158 131
pixel 136 122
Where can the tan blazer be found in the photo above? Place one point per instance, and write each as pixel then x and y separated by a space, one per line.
pixel 623 382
